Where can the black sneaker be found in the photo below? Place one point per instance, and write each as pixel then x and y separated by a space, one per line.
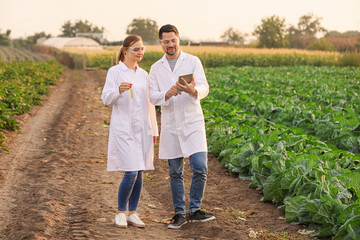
pixel 179 220
pixel 200 216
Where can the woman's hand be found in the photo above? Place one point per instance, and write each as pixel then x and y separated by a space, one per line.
pixel 124 86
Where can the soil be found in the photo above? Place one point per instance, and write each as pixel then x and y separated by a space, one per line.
pixel 54 183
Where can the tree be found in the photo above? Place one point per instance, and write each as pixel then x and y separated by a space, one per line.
pixel 321 45
pixel 70 30
pixel 344 42
pixel 5 38
pixel 233 36
pixel 271 32
pixel 33 38
pixel 67 29
pixel 307 31
pixel 297 39
pixel 310 25
pixel 333 34
pixel 30 40
pixel 351 34
pixel 147 29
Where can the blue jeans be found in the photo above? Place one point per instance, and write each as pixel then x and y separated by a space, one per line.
pixel 130 190
pixel 198 164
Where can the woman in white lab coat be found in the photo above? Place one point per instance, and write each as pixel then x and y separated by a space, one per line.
pixel 133 127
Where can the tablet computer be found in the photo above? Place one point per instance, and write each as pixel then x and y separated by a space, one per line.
pixel 187 77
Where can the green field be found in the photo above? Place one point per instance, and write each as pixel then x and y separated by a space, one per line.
pixel 22 85
pixel 323 101
pixel 281 128
pixel 293 131
pixel 9 54
pixel 289 123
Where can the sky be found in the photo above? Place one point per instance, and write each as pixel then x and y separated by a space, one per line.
pixel 196 20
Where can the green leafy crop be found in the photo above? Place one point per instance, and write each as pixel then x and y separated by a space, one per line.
pixel 282 129
pixel 22 85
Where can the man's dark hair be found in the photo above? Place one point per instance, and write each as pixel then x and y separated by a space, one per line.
pixel 168 28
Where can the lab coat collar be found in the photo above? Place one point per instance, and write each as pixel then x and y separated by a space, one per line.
pixel 179 62
pixel 124 67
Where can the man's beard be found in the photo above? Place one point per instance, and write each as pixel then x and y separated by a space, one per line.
pixel 171 54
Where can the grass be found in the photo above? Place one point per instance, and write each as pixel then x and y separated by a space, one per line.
pixel 148 177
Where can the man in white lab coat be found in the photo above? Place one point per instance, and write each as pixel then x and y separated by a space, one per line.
pixel 182 122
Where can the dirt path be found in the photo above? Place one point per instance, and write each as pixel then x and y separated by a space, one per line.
pixel 54 183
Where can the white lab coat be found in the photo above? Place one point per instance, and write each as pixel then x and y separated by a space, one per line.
pixel 133 121
pixel 182 121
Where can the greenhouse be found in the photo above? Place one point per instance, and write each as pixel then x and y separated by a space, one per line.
pixel 77 42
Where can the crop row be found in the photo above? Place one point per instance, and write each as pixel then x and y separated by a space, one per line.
pixel 22 85
pixel 323 101
pixel 9 54
pixel 314 183
pixel 104 61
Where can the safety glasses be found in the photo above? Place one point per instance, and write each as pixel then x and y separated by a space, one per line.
pixel 136 49
pixel 168 42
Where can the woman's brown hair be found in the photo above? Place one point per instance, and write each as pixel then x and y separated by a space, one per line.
pixel 128 42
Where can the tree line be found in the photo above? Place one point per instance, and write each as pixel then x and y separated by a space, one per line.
pixel 273 32
pixel 307 34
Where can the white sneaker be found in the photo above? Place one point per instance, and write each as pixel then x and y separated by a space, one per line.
pixel 134 219
pixel 120 220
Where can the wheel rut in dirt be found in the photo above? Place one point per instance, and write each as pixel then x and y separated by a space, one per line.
pixel 33 180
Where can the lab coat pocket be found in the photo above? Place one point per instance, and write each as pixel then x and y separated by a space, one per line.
pixel 166 118
pixel 119 144
pixel 119 152
pixel 149 132
pixel 120 127
pixel 194 119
